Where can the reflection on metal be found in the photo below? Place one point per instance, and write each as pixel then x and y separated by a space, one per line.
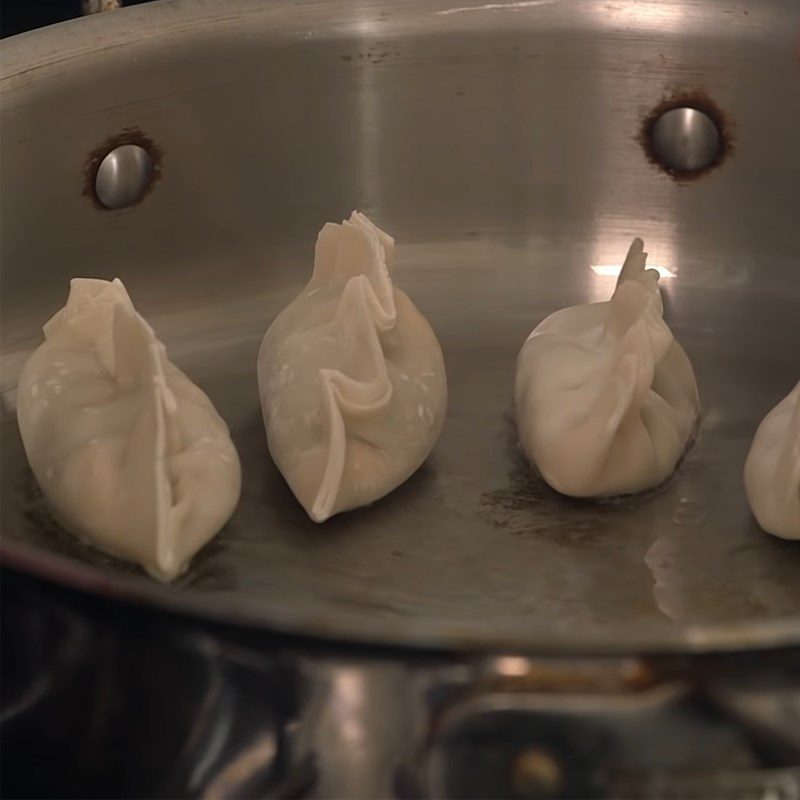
pixel 511 666
pixel 361 719
pixel 497 740
pixel 536 773
pixel 123 176
pixel 348 696
pixel 244 765
pixel 613 270
pixel 358 724
pixel 661 239
pixel 685 140
pixel 158 700
pixel 513 6
pixel 648 15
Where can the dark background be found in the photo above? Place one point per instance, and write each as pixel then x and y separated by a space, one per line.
pixel 17 16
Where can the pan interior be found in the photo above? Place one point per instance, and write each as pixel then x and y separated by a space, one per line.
pixel 504 160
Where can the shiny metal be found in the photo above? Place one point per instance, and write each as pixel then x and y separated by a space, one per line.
pixel 141 710
pixel 123 176
pixel 685 140
pixel 537 773
pixel 590 735
pixel 497 142
pixel 125 703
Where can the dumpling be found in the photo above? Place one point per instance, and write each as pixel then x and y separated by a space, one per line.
pixel 129 452
pixel 351 377
pixel 772 469
pixel 605 398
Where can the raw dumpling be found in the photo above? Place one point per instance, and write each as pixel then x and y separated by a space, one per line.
pixel 772 469
pixel 606 399
pixel 130 453
pixel 351 377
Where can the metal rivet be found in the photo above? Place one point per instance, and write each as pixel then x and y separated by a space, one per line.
pixel 123 176
pixel 536 774
pixel 685 140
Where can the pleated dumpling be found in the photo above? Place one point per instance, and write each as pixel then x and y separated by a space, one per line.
pixel 351 377
pixel 605 398
pixel 772 469
pixel 131 455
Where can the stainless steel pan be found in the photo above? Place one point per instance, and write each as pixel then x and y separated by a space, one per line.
pixel 499 143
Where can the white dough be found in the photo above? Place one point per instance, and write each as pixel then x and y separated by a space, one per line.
pixel 351 377
pixel 605 398
pixel 130 453
pixel 772 469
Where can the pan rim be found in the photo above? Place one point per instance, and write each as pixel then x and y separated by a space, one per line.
pixel 147 595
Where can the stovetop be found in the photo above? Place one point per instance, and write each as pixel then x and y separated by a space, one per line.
pixel 102 699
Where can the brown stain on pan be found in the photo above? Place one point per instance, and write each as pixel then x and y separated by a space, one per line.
pixel 700 101
pixel 130 135
pixel 528 506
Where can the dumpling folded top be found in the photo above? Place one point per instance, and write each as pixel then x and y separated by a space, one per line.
pixel 772 469
pixel 351 377
pixel 606 400
pixel 130 453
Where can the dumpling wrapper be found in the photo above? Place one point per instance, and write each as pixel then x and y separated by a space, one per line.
pixel 606 400
pixel 351 377
pixel 772 469
pixel 131 455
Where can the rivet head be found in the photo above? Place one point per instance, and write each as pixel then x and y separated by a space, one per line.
pixel 685 140
pixel 536 774
pixel 123 176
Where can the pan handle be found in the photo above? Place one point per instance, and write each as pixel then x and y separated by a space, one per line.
pixel 532 728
